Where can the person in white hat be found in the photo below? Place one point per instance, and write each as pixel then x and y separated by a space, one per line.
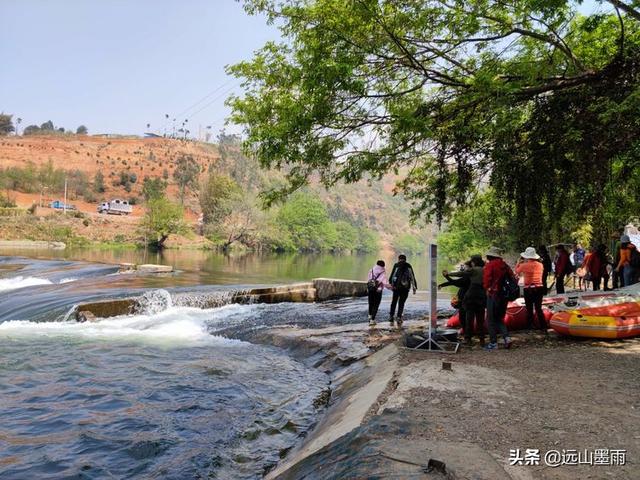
pixel 531 269
pixel 626 266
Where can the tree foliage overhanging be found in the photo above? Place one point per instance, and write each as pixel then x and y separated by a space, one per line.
pixel 532 97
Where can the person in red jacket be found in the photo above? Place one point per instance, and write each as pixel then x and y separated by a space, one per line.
pixel 493 276
pixel 562 267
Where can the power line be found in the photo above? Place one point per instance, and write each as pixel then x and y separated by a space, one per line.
pixel 205 97
pixel 207 105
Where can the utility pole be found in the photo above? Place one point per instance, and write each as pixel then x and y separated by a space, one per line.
pixel 64 207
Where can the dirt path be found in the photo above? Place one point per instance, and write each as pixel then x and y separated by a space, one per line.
pixel 546 395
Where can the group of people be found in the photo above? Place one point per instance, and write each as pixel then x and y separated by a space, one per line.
pixel 597 266
pixel 401 281
pixel 485 285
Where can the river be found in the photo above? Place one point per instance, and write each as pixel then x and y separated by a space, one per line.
pixel 173 392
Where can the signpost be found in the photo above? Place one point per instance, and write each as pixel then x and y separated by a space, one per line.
pixel 431 343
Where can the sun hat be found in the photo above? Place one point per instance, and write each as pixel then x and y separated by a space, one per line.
pixel 625 239
pixel 530 254
pixel 494 252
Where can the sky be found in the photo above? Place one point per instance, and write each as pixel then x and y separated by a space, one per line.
pixel 116 65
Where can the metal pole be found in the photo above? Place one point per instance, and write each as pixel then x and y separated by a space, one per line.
pixel 431 341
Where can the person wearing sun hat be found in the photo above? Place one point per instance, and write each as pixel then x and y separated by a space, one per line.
pixel 493 275
pixel 531 269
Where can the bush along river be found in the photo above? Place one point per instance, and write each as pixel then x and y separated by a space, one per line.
pixel 171 392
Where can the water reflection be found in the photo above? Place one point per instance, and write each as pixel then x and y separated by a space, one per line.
pixel 206 267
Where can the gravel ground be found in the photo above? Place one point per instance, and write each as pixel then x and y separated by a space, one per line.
pixel 545 393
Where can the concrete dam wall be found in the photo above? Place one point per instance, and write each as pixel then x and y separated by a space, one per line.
pixel 317 290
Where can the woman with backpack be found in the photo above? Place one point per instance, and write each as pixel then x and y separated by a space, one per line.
pixel 376 282
pixel 402 280
pixel 498 279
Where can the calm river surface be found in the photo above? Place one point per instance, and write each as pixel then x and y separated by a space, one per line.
pixel 174 392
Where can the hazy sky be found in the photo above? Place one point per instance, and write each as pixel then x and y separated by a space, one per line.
pixel 117 65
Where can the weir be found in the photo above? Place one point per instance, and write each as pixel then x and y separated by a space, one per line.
pixel 317 290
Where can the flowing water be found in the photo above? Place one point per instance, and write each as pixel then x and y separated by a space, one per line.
pixel 173 392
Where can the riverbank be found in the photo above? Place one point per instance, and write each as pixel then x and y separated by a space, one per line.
pixel 84 229
pixel 392 410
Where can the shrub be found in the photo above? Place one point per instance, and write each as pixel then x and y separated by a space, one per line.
pixel 409 244
pixel 90 197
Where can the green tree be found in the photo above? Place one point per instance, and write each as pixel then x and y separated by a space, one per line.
pixel 98 183
pixel 218 196
pixel 229 214
pixel 153 188
pixel 463 92
pixel 162 218
pixel 82 130
pixel 48 126
pixel 50 177
pixel 6 124
pixel 186 175
pixel 305 219
pixel 31 130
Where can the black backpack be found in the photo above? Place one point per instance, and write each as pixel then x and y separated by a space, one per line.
pixel 509 288
pixel 373 284
pixel 635 259
pixel 404 279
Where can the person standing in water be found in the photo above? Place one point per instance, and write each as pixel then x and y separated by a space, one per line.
pixel 402 279
pixel 376 282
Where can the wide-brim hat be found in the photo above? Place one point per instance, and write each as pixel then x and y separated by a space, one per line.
pixel 530 254
pixel 494 252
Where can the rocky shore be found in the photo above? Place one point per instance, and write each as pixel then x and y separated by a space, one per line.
pixel 395 413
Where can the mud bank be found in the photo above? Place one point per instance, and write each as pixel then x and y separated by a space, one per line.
pixel 391 411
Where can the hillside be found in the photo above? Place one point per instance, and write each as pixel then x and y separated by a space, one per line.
pixel 371 205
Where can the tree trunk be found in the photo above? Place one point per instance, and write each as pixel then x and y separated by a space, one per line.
pixel 160 242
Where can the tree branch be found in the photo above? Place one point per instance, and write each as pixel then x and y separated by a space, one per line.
pixel 625 8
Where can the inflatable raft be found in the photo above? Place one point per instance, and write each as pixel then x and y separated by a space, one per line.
pixel 515 319
pixel 619 320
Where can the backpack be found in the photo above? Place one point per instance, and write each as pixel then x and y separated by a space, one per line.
pixel 635 259
pixel 509 288
pixel 374 283
pixel 404 279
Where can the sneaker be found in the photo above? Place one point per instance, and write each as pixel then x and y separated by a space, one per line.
pixel 391 320
pixel 490 347
pixel 372 321
pixel 507 343
pixel 399 322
